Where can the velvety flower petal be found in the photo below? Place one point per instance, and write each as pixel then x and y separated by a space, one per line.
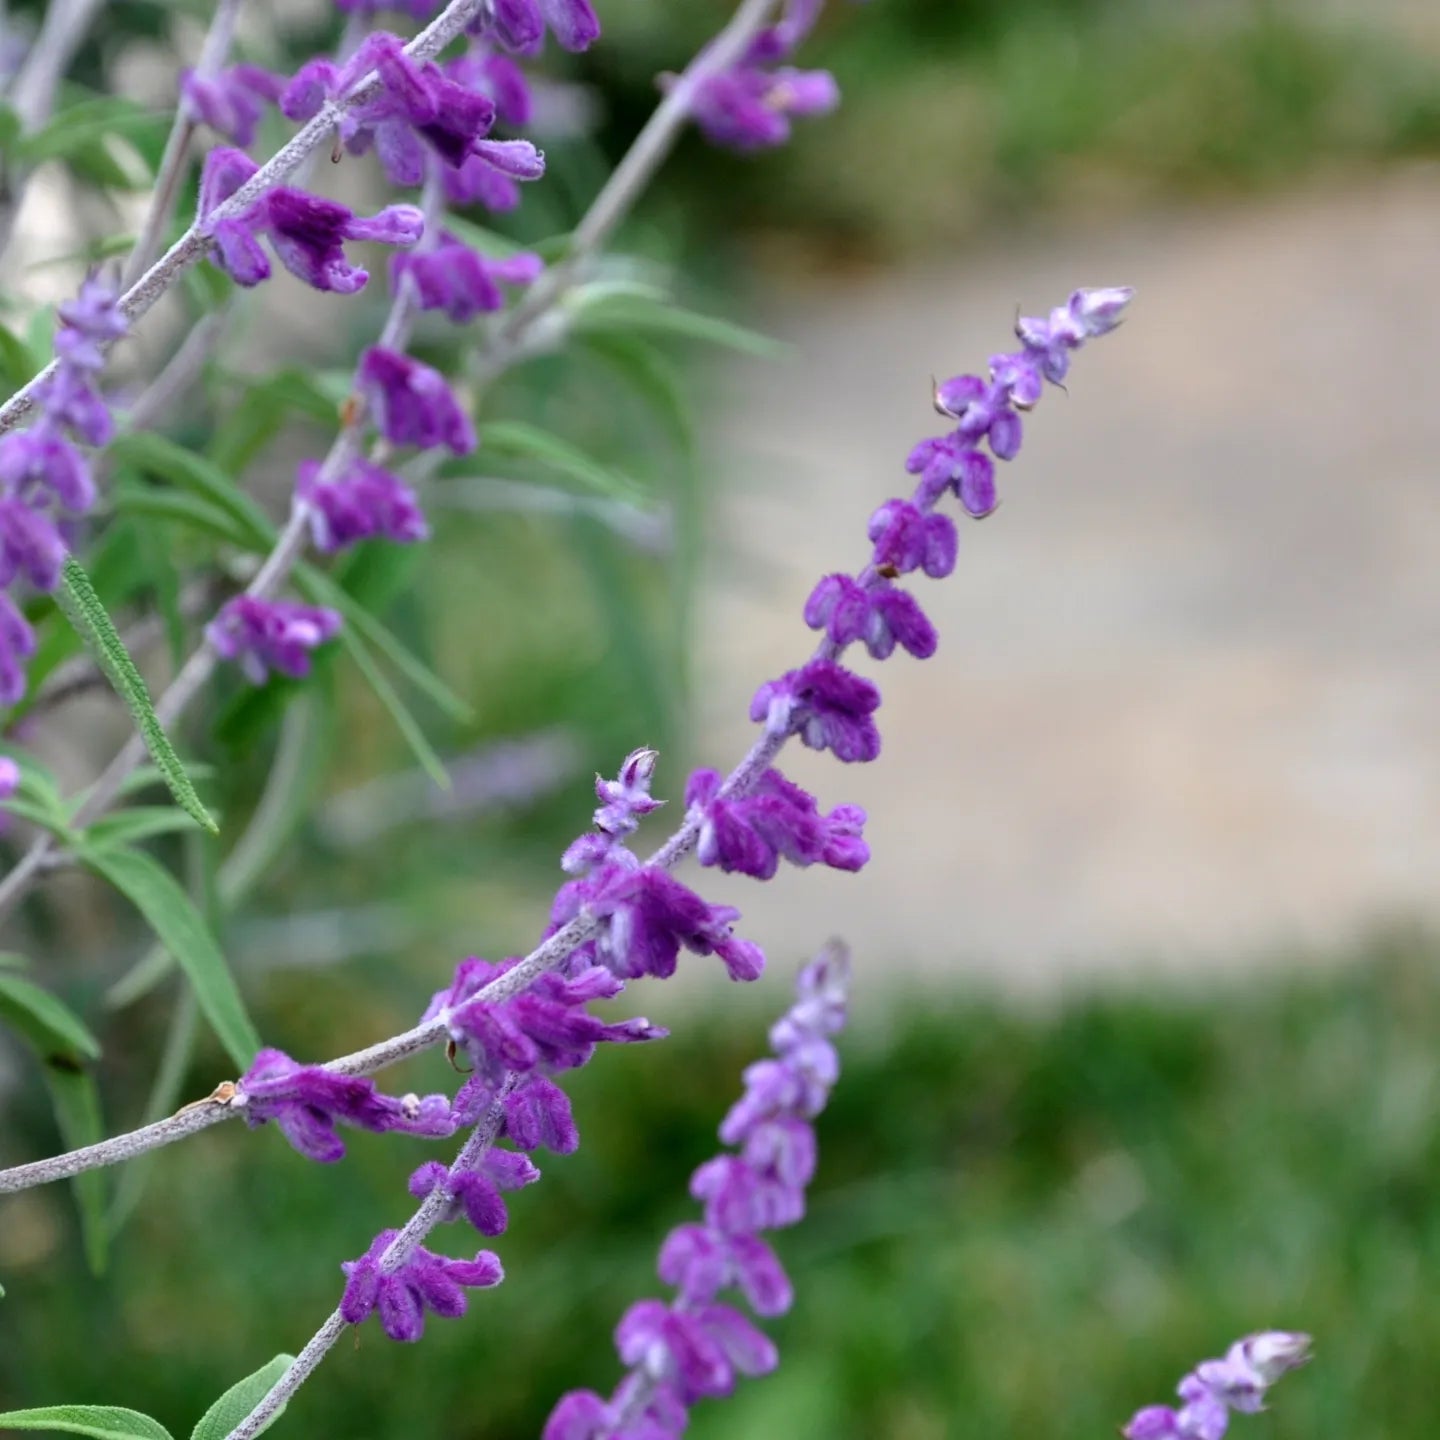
pixel 413 404
pixel 17 645
pixel 537 1113
pixel 266 635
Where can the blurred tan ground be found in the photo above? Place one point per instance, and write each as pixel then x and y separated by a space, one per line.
pixel 1186 707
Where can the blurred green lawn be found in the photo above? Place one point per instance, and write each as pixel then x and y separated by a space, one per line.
pixel 1023 1225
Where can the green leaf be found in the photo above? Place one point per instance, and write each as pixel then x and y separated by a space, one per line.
pixel 39 815
pixel 77 131
pixel 10 127
pixel 652 375
pixel 18 362
pixel 141 822
pixel 134 497
pixel 49 1025
pixel 322 590
pixel 142 777
pixel 240 1399
pixel 76 1101
pixel 524 441
pixel 153 454
pixel 405 722
pixel 36 783
pixel 644 309
pixel 104 1422
pixel 85 612
pixel 11 961
pixel 174 918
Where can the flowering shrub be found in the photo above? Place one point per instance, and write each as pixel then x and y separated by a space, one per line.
pixel 438 110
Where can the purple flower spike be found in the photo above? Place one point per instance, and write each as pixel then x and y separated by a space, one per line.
pixel 1216 1387
pixel 475 1194
pixel 30 545
pixel 413 404
pixel 460 281
pixel 695 1346
pixel 307 1101
pixel 266 635
pixel 306 232
pixel 421 1281
pixel 232 101
pixel 363 502
pixel 827 706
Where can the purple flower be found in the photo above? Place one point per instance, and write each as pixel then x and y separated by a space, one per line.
pixel 17 645
pixel 498 78
pixel 652 917
pixel 475 1193
pixel 747 108
pixel 38 466
pixel 231 101
pixel 413 404
pixel 418 107
pixel 30 545
pixel 907 539
pixel 877 614
pixel 307 1101
pixel 827 706
pixel 421 1281
pixel 520 25
pixel 306 232
pixel 1216 1387
pixel 9 777
pixel 266 635
pixel 699 1352
pixel 777 818
pixel 460 281
pixel 951 462
pixel 364 501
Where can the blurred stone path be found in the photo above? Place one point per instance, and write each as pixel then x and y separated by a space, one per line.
pixel 1186 708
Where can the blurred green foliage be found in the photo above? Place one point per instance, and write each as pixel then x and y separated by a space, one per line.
pixel 1023 1225
pixel 960 118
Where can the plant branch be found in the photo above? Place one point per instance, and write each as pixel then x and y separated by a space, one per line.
pixel 421 1223
pixel 177 145
pixel 192 246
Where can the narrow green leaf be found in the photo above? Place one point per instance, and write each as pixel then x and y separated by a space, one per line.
pixel 18 363
pixel 240 1399
pixel 76 1101
pixel 78 130
pixel 104 1422
pixel 37 784
pixel 46 1022
pixel 141 822
pixel 142 777
pixel 41 815
pixel 647 311
pixel 85 612
pixel 653 376
pixel 405 722
pixel 322 590
pixel 153 454
pixel 11 961
pixel 174 918
pixel 524 441
pixel 137 498
pixel 11 127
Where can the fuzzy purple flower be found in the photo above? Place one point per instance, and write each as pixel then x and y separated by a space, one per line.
pixel 879 615
pixel 775 819
pixel 520 25
pixel 419 108
pixel 421 1281
pixel 308 1101
pixel 827 706
pixel 9 777
pixel 907 539
pixel 463 283
pixel 364 501
pixel 231 101
pixel 695 1346
pixel 413 404
pixel 306 232
pixel 1216 1387
pixel 476 1193
pixel 266 635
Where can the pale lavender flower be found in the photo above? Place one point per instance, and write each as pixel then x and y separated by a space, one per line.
pixel 17 645
pixel 694 1346
pixel 9 777
pixel 1216 1387
pixel 231 101
pixel 266 635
